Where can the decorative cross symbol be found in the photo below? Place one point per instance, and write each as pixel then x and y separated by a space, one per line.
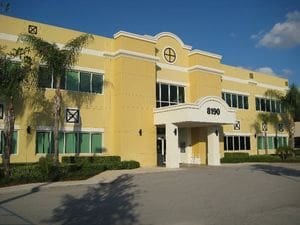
pixel 170 55
pixel 237 125
pixel 72 115
pixel 32 29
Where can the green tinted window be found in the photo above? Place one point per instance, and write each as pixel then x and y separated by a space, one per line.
pixel 260 143
pixel 257 103
pixel 44 77
pixel 43 142
pixel 240 101
pixel 61 142
pixel 1 142
pixel 72 81
pixel 228 99
pixel 181 94
pixel 246 105
pixel 85 81
pixel 84 142
pixel 273 106
pixel 96 143
pixel 71 143
pixel 97 83
pixel 271 143
pixel 234 100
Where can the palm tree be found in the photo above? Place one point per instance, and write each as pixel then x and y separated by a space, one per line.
pixel 58 61
pixel 291 102
pixel 12 77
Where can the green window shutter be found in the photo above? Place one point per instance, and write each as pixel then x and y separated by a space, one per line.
pixel 85 82
pixel 96 143
pixel 70 142
pixel 15 142
pixel 270 142
pixel 72 81
pixel 97 83
pixel 61 142
pixel 84 142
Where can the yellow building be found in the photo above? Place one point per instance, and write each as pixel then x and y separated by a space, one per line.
pixel 153 99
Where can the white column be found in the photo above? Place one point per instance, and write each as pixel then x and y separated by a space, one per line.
pixel 172 148
pixel 213 146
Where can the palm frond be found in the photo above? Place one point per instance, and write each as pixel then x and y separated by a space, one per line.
pixel 43 49
pixel 73 48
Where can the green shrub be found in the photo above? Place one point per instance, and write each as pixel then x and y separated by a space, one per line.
pixel 25 174
pixel 130 164
pixel 236 155
pixel 296 152
pixel 284 152
pixel 106 159
pixel 90 159
pixel 111 165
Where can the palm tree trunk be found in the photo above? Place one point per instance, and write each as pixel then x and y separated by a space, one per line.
pixel 9 123
pixel 57 111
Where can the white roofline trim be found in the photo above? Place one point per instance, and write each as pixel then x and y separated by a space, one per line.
pixel 70 128
pixel 237 134
pixel 235 92
pixel 205 69
pixel 135 36
pixel 213 55
pixel 131 54
pixel 263 85
pixel 172 67
pixel 88 69
pixel 163 34
pixel 179 83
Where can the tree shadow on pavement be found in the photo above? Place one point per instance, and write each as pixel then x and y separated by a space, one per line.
pixel 112 203
pixel 277 170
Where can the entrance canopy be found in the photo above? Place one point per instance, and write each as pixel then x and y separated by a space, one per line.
pixel 210 110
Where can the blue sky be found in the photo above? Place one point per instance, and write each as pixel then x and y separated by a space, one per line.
pixel 255 34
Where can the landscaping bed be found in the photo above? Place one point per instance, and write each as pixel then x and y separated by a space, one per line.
pixel 71 168
pixel 245 157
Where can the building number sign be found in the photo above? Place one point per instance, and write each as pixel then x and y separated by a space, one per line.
pixel 213 111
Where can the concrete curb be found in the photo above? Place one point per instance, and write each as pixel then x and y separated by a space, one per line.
pixel 106 177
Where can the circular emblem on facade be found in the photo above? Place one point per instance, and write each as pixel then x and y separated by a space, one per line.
pixel 169 55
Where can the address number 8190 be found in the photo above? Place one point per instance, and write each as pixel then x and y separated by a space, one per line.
pixel 213 111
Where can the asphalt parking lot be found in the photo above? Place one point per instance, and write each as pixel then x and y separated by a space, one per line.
pixel 232 194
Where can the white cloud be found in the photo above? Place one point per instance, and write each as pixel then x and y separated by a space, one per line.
pixel 266 70
pixel 257 36
pixel 287 72
pixel 283 35
pixel 232 34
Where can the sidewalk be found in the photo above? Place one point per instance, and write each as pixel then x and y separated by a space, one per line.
pixel 105 177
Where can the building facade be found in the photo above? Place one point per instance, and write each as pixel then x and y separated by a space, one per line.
pixel 153 99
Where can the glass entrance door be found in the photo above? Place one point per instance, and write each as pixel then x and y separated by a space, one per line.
pixel 161 151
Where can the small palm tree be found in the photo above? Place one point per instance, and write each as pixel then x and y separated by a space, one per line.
pixel 58 61
pixel 12 76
